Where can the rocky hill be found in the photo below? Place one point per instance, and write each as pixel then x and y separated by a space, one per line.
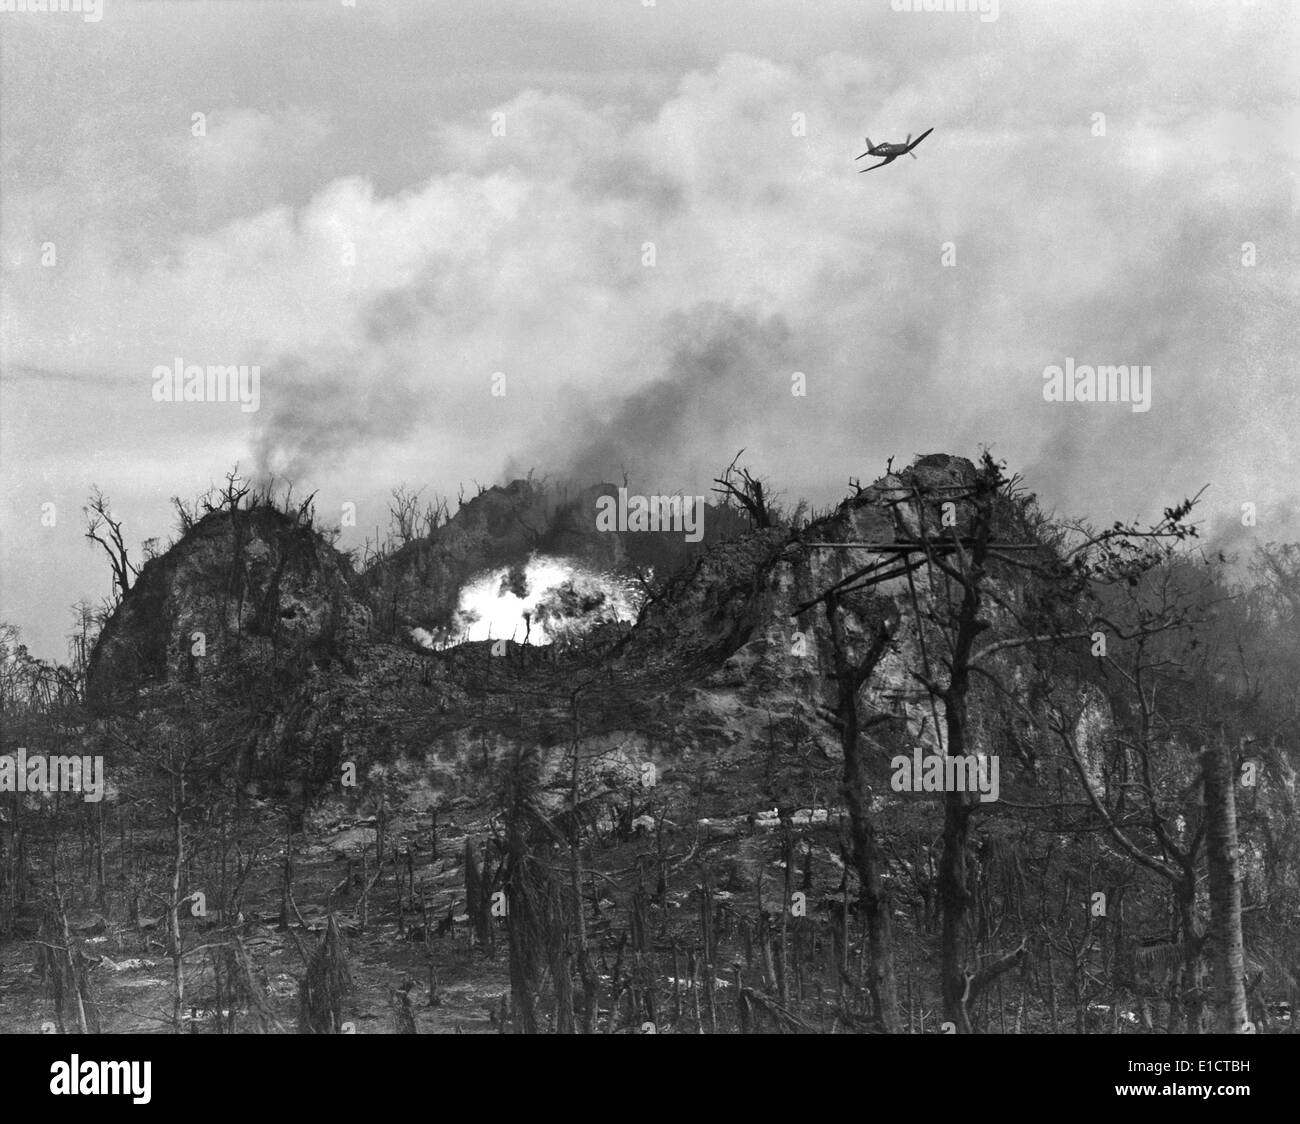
pixel 727 656
pixel 417 585
pixel 241 586
pixel 672 780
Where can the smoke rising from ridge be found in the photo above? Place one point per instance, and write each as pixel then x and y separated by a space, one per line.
pixel 641 258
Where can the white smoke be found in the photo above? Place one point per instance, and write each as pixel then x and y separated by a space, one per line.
pixel 556 598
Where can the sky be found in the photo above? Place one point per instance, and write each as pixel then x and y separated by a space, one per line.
pixel 459 241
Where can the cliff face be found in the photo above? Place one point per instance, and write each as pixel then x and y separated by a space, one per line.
pixel 247 585
pixel 744 619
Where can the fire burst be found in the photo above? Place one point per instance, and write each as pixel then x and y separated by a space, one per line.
pixel 544 600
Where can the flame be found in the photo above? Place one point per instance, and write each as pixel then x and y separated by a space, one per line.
pixel 559 596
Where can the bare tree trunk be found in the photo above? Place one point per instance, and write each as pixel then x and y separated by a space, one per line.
pixel 173 909
pixel 1193 998
pixel 955 897
pixel 101 885
pixel 1225 890
pixel 867 857
pixel 1051 990
pixel 590 979
pixel 954 891
pixel 783 965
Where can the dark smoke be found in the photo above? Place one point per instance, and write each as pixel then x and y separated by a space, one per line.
pixel 314 415
pixel 672 434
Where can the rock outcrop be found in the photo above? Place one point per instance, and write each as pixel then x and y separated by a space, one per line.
pixel 248 585
pixel 732 654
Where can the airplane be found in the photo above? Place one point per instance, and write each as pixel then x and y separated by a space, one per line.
pixel 892 152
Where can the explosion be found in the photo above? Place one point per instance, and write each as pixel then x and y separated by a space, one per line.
pixel 538 602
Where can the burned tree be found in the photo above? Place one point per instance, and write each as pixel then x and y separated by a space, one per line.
pixel 958 566
pixel 868 859
pixel 1225 888
pixel 328 981
pixel 102 528
pixel 740 487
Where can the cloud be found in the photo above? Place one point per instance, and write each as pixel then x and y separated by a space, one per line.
pixel 654 243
